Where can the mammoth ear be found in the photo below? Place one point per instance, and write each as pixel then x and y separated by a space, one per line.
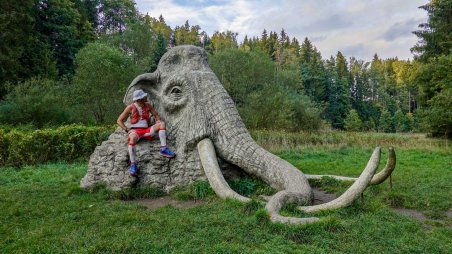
pixel 144 82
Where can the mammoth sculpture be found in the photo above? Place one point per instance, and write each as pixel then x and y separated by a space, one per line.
pixel 211 141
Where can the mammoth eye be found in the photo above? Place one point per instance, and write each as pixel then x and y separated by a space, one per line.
pixel 176 90
pixel 175 93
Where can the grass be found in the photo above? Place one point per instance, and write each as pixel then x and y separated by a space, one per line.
pixel 42 210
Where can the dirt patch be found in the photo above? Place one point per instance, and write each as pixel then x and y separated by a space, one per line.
pixel 418 215
pixel 449 214
pixel 321 196
pixel 429 223
pixel 156 203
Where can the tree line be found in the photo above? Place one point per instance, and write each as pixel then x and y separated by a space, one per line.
pixel 66 61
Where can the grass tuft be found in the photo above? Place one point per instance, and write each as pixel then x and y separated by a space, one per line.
pixel 262 217
pixel 252 207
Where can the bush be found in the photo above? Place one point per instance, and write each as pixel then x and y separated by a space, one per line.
pixel 66 143
pixel 39 102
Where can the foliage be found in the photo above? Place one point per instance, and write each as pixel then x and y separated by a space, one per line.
pixel 435 36
pixel 352 121
pixel 66 143
pixel 386 123
pixel 113 16
pixel 40 102
pixel 222 41
pixel 187 35
pixel 438 117
pixel 40 40
pixel 102 76
pixel 251 80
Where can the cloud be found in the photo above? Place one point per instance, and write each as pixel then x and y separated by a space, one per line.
pixel 401 29
pixel 356 27
pixel 327 24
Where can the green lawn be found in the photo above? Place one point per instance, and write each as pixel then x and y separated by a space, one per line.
pixel 42 210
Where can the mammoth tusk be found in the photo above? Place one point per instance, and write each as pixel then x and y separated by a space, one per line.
pixel 276 202
pixel 214 175
pixel 387 171
pixel 376 179
pixel 354 191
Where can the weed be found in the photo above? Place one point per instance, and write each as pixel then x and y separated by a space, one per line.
pixel 243 186
pixel 262 216
pixel 202 189
pixel 252 206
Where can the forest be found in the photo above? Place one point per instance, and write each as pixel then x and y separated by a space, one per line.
pixel 70 61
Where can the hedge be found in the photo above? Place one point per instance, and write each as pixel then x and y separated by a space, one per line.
pixel 66 143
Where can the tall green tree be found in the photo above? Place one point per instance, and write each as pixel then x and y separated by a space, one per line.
pixel 159 26
pixel 16 26
pixel 59 24
pixel 102 76
pixel 338 91
pixel 434 50
pixel 113 16
pixel 223 40
pixel 187 35
pixel 435 36
pixel 435 80
pixel 312 72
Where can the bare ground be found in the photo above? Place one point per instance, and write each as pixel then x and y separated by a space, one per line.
pixel 156 203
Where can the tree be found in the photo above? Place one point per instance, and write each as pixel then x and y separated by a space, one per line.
pixel 101 78
pixel 338 91
pixel 137 41
pixel 16 24
pixel 434 50
pixel 113 16
pixel 435 36
pixel 159 26
pixel 312 72
pixel 187 35
pixel 250 79
pixel 352 121
pixel 386 123
pixel 58 23
pixel 159 51
pixel 223 40
pixel 435 80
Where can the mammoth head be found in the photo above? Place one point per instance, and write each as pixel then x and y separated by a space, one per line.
pixel 187 95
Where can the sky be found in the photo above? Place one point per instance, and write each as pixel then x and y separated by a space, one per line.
pixel 358 28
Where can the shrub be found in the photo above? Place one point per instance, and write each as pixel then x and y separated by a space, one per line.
pixel 39 102
pixel 66 143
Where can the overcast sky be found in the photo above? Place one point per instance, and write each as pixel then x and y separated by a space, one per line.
pixel 357 28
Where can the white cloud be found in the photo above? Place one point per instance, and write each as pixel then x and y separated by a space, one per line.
pixel 356 27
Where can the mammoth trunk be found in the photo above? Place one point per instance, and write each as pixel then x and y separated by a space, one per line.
pixel 234 144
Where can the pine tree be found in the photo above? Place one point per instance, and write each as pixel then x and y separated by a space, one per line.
pixel 312 72
pixel 353 122
pixel 386 123
pixel 435 36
